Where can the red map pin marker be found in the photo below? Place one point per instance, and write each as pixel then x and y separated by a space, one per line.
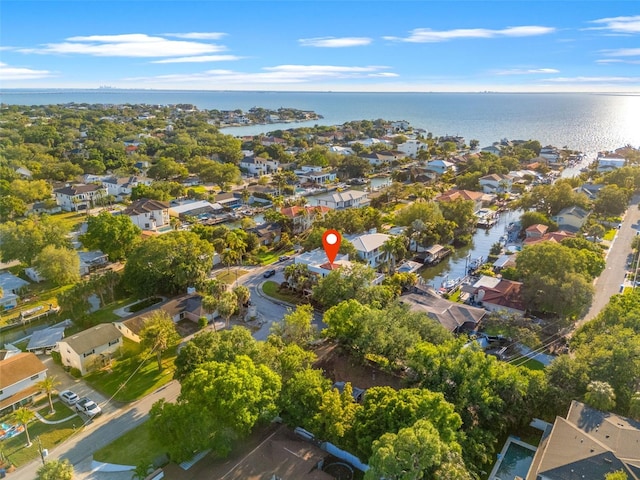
pixel 331 242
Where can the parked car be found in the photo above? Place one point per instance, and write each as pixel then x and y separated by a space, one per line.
pixel 269 273
pixel 284 258
pixel 68 397
pixel 88 407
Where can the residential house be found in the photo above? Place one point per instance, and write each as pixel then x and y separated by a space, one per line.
pixel 341 150
pixel 588 444
pixel 19 374
pixel 495 149
pixel 259 166
pixel 302 218
pixel 400 126
pixel 312 174
pixel 551 153
pixel 571 219
pixel 504 261
pixel 383 157
pixel 457 140
pixel 91 348
pixel 316 261
pixel 79 197
pixel 610 161
pixel 496 294
pixel 149 214
pixel 11 287
pixel 496 183
pixel 538 233
pixel 411 148
pixel 268 233
pixel 369 248
pixel 184 307
pixel 343 200
pixel 368 142
pixel 440 166
pixel 455 317
pixel 194 209
pixel 591 190
pixel 120 187
pixel 478 198
pixel 229 200
pixel 90 261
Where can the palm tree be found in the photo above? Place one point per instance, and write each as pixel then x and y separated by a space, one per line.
pixel 49 384
pixel 243 295
pixel 395 248
pixel 246 195
pixel 23 415
pixel 600 395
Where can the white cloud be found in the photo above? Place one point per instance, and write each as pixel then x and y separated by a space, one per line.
pixel 605 80
pixel 526 71
pixel 127 45
pixel 197 35
pixel 18 73
pixel 280 74
pixel 606 61
pixel 333 42
pixel 426 35
pixel 624 25
pixel 200 59
pixel 623 52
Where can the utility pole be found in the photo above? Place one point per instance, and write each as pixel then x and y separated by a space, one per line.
pixel 40 449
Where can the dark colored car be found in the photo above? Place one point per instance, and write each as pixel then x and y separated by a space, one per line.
pixel 269 273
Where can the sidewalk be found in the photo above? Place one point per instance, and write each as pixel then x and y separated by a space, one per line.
pixel 54 422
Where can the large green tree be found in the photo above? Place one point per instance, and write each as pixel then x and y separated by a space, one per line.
pixel 115 235
pixel 296 326
pixel 61 266
pixel 25 240
pixel 55 470
pixel 168 263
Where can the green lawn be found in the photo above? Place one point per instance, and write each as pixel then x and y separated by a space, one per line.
pixel 146 379
pixel 18 453
pixel 133 448
pixel 270 288
pixel 229 276
pixel 270 257
pixel 70 220
pixel 62 411
pixel 533 364
pixel 41 294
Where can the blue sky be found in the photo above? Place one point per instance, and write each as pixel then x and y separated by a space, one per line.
pixel 302 45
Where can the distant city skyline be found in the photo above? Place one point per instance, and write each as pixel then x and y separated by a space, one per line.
pixel 350 46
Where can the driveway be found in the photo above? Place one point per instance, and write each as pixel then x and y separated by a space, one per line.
pixel 613 276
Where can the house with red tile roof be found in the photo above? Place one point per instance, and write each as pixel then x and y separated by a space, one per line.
pixel 477 198
pixel 495 294
pixel 302 218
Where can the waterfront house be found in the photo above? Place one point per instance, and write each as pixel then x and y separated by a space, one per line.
pixel 314 174
pixel 495 149
pixel 369 248
pixel 302 218
pixel 120 187
pixel 455 317
pixel 229 199
pixel 478 198
pixel 588 443
pixel 496 294
pixel 551 153
pixel 19 375
pixel 343 200
pixel 91 348
pixel 194 208
pixel 11 287
pixel 571 219
pixel 496 183
pixel 79 197
pixel 440 166
pixel 412 147
pixel 152 215
pixel 610 161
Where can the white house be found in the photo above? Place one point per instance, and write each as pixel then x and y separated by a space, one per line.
pixel 259 166
pixel 369 249
pixel 312 174
pixel 149 214
pixel 382 158
pixel 440 166
pixel 79 197
pixel 496 149
pixel 496 183
pixel 318 263
pixel 90 348
pixel 610 161
pixel 342 200
pixel 121 186
pixel 411 148
pixel 551 153
pixel 341 150
pixel 92 260
pixel 11 286
pixel 19 375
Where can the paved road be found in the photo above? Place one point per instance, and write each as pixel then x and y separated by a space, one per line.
pixel 116 421
pixel 608 283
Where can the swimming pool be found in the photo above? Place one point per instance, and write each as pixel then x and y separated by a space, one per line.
pixel 514 460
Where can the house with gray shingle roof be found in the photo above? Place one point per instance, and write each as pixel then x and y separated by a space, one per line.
pixel 90 348
pixel 571 219
pixel 455 317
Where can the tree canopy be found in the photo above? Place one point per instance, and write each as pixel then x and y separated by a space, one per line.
pixel 115 235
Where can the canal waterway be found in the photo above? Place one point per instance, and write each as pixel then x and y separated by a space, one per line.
pixel 455 265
